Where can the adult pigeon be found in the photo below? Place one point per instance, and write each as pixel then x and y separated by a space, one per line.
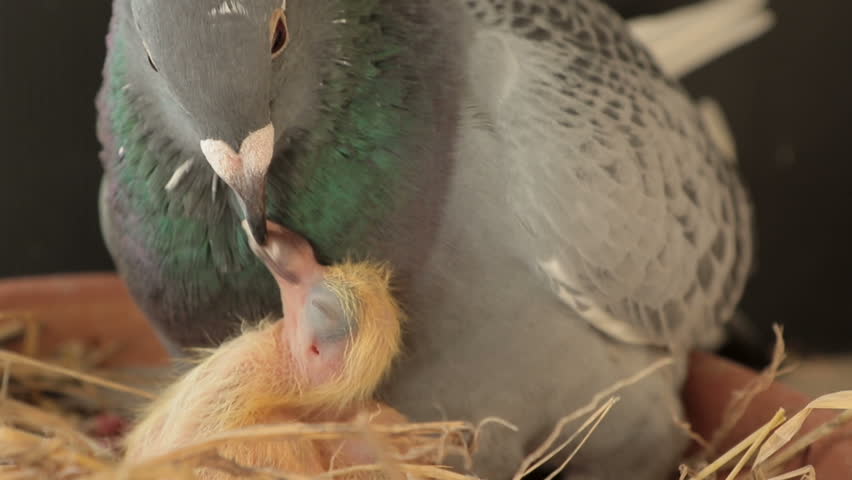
pixel 557 214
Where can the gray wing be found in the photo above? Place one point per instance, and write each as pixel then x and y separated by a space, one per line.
pixel 636 219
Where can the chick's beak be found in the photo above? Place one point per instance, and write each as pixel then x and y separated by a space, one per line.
pixel 245 173
pixel 287 254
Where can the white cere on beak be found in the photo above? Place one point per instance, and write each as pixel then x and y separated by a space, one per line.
pixel 252 161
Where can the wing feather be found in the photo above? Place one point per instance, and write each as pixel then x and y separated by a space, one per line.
pixel 637 220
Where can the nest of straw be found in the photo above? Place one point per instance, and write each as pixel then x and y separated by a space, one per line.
pixel 51 406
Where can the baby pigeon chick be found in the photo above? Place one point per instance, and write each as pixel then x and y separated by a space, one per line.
pixel 322 362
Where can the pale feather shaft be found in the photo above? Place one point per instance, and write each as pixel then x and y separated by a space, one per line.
pixel 179 174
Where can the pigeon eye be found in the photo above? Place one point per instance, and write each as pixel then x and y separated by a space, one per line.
pixel 152 64
pixel 280 36
pixel 150 59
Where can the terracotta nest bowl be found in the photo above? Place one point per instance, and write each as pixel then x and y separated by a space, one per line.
pixel 94 307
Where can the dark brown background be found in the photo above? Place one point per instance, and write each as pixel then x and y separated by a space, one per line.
pixel 786 96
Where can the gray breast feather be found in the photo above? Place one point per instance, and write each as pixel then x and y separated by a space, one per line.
pixel 635 218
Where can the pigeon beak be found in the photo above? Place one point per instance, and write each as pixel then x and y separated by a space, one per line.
pixel 253 202
pixel 245 172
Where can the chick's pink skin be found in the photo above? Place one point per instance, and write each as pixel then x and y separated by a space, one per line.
pixel 291 260
pixel 244 368
pixel 269 363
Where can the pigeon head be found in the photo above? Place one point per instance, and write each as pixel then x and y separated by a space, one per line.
pixel 231 78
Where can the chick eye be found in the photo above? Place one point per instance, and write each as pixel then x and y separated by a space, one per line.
pixel 280 36
pixel 326 316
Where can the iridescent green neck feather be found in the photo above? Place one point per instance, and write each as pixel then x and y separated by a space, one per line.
pixel 336 184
